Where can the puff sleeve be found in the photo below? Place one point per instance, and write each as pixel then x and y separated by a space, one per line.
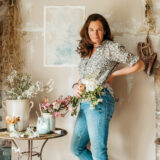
pixel 118 53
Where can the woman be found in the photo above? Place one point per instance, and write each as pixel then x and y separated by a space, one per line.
pixel 99 57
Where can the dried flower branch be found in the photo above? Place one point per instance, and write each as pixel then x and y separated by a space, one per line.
pixel 149 16
pixel 10 37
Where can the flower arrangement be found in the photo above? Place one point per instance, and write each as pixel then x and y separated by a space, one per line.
pixel 59 106
pixel 20 86
pixel 12 122
pixel 91 91
pixel 30 133
pixel 13 128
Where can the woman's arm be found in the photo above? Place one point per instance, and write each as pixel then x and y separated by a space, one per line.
pixel 139 66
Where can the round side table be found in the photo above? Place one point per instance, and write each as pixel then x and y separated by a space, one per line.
pixel 59 132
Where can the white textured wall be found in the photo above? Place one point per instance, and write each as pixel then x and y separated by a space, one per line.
pixel 132 129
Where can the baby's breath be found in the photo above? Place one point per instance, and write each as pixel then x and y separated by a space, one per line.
pixel 20 86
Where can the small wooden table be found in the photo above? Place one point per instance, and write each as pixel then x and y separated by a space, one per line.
pixel 59 132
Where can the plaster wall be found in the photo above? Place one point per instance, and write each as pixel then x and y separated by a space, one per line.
pixel 132 128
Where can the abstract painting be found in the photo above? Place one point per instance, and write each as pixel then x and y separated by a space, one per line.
pixel 62 25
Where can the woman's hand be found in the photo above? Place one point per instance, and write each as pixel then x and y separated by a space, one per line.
pixel 110 80
pixel 139 66
pixel 78 89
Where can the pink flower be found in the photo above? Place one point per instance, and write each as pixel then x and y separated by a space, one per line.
pixel 47 104
pixel 56 105
pixel 71 109
pixel 56 114
pixel 49 110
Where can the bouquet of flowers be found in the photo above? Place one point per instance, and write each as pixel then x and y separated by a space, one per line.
pixel 59 106
pixel 91 91
pixel 20 86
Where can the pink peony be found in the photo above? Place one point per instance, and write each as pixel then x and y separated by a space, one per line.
pixel 56 114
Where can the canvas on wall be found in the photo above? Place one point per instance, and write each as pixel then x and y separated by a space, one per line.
pixel 62 25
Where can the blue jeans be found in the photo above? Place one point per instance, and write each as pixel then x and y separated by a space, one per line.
pixel 92 125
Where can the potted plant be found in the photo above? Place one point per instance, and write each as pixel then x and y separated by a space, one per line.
pixel 58 108
pixel 19 89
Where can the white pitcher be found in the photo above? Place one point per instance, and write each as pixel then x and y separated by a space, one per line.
pixel 52 120
pixel 19 108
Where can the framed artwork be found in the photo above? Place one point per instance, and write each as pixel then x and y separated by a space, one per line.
pixel 62 25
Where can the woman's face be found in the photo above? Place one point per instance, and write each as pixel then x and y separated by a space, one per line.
pixel 96 32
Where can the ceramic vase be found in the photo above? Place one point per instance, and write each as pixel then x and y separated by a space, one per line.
pixel 52 120
pixel 19 108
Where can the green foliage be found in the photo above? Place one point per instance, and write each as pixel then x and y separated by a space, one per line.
pixel 91 96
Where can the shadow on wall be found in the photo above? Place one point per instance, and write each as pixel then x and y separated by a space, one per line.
pixel 132 111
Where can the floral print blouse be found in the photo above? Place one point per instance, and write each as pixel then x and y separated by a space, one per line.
pixel 104 61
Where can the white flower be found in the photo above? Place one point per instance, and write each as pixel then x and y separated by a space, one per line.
pixel 90 83
pixel 56 105
pixel 28 93
pixel 100 100
pixel 39 86
pixel 31 133
pixel 49 86
pixel 22 135
pixel 11 77
pixel 19 97
pixel 15 134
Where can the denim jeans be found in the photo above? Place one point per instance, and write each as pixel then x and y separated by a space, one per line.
pixel 92 125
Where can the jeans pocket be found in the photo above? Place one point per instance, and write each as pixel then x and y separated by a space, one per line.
pixel 109 109
pixel 98 108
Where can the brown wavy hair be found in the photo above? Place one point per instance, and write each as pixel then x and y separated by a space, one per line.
pixel 85 45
